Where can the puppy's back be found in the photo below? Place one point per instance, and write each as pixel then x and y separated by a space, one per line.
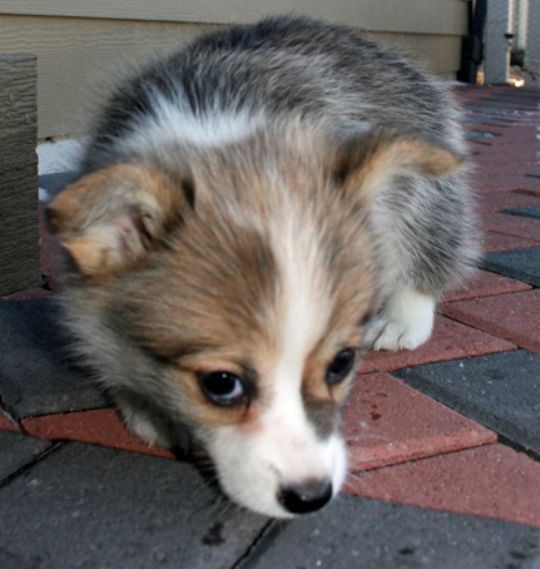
pixel 279 68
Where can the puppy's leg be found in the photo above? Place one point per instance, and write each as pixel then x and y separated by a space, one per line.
pixel 405 323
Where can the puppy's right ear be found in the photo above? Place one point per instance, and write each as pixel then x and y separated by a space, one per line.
pixel 109 219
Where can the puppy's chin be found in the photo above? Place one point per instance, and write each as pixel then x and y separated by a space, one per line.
pixel 253 472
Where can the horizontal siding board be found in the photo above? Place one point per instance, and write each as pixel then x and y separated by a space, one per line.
pixel 80 59
pixel 407 16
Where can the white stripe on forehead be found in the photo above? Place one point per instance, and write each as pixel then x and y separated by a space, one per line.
pixel 304 306
pixel 302 315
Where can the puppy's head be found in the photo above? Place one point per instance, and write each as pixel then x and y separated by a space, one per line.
pixel 230 291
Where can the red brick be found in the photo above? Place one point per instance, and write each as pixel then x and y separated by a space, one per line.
pixel 529 232
pixel 486 165
pixel 490 481
pixel 504 184
pixel 520 140
pixel 493 241
pixel 29 294
pixel 496 201
pixel 387 422
pixel 529 192
pixel 489 169
pixel 451 340
pixel 496 130
pixel 508 149
pixel 99 427
pixel 486 284
pixel 6 424
pixel 504 223
pixel 515 316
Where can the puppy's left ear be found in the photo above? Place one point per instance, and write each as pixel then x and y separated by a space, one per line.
pixel 364 166
pixel 110 219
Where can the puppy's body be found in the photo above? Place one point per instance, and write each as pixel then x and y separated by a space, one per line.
pixel 245 207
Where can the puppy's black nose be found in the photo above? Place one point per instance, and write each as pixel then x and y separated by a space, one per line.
pixel 307 497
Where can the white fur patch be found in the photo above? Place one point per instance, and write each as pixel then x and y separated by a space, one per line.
pixel 173 122
pixel 305 305
pixel 406 323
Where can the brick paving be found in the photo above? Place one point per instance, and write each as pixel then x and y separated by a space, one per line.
pixel 515 317
pixel 444 442
pixel 520 264
pixel 386 422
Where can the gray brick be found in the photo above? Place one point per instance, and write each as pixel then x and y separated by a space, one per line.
pixel 17 451
pixel 90 507
pixel 357 533
pixel 520 264
pixel 37 374
pixel 501 391
pixel 55 183
pixel 533 212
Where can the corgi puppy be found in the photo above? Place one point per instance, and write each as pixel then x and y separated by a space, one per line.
pixel 251 212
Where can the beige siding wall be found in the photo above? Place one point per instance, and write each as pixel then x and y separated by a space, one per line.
pixel 83 46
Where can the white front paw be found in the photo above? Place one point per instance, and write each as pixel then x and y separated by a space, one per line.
pixel 405 324
pixel 395 336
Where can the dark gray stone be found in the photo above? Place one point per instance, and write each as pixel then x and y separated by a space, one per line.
pixel 17 451
pixel 506 112
pixel 520 264
pixel 501 391
pixel 533 212
pixel 479 135
pixel 470 118
pixel 55 183
pixel 37 373
pixel 357 533
pixel 90 507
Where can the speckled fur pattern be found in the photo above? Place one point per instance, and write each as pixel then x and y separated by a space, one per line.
pixel 320 208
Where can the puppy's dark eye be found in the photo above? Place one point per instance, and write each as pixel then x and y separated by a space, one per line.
pixel 340 366
pixel 222 388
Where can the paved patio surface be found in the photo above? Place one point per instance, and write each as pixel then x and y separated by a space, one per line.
pixel 444 441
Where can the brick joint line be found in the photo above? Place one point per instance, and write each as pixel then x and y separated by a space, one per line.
pixel 35 460
pixel 264 539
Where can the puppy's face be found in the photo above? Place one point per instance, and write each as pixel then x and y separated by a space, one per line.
pixel 233 299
